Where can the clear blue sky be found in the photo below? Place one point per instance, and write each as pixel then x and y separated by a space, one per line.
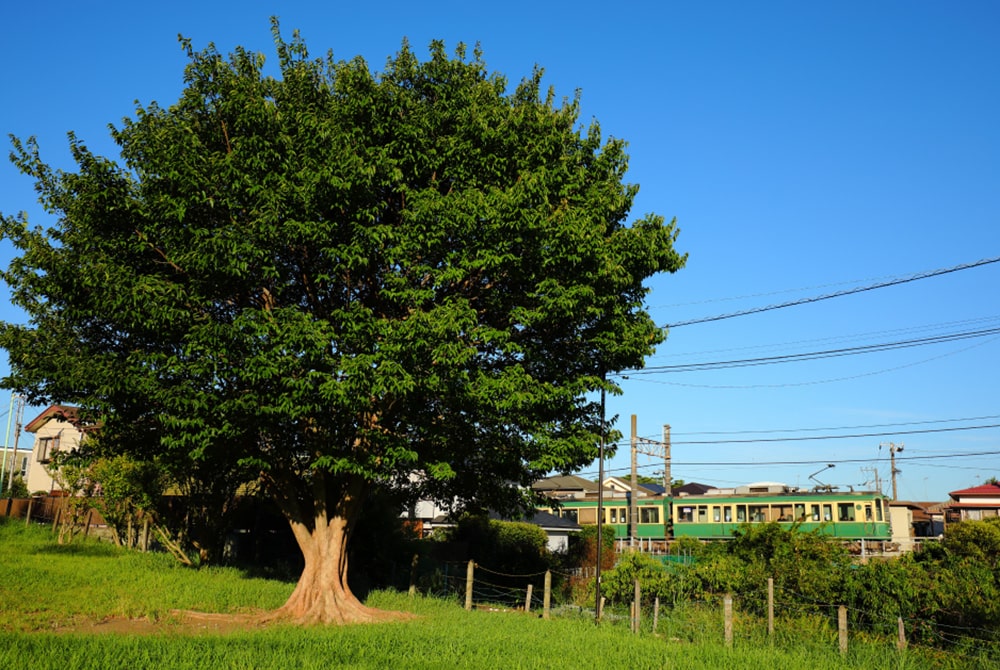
pixel 804 147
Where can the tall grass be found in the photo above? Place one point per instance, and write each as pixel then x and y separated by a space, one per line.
pixel 44 586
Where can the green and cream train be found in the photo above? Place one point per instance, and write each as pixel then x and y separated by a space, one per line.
pixel 853 515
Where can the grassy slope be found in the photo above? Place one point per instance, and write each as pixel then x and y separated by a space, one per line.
pixel 44 586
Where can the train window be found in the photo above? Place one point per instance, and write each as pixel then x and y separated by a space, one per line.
pixel 716 513
pixel 800 512
pixel 741 514
pixel 814 512
pixel 588 516
pixel 685 514
pixel 570 514
pixel 702 513
pixel 758 513
pixel 868 512
pixel 649 514
pixel 781 512
pixel 878 509
pixel 845 511
pixel 727 514
pixel 827 513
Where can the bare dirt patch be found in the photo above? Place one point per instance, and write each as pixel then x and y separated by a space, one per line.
pixel 177 623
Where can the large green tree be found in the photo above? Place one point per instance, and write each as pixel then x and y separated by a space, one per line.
pixel 345 279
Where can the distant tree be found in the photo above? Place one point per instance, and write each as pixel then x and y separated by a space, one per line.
pixel 341 279
pixel 17 488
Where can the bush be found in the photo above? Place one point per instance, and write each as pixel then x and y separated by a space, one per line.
pixel 17 489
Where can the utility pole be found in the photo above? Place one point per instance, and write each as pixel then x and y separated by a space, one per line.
pixel 892 460
pixel 878 482
pixel 668 484
pixel 654 448
pixel 600 513
pixel 18 417
pixel 633 506
pixel 6 442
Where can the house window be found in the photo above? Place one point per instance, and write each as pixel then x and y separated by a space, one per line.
pixel 46 447
pixel 24 466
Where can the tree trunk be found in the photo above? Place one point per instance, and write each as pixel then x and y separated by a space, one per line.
pixel 322 594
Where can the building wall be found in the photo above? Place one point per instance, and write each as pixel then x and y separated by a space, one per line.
pixel 902 527
pixel 54 435
pixel 19 461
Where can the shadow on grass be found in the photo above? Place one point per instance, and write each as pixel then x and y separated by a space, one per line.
pixel 80 549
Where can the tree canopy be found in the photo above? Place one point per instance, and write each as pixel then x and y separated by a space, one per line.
pixel 341 279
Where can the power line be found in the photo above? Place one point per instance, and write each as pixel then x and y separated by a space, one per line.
pixel 979 322
pixel 803 430
pixel 836 294
pixel 810 438
pixel 813 355
pixel 817 461
pixel 819 381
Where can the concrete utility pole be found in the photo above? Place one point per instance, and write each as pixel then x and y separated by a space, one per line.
pixel 892 460
pixel 633 506
pixel 600 513
pixel 654 448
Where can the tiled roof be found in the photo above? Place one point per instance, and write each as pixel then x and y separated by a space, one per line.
pixel 57 412
pixel 984 490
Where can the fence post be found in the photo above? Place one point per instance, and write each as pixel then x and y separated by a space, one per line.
pixel 636 605
pixel 547 598
pixel 656 613
pixel 600 609
pixel 86 527
pixel 413 575
pixel 469 577
pixel 145 533
pixel 901 642
pixel 527 600
pixel 842 628
pixel 27 516
pixel 770 606
pixel 727 613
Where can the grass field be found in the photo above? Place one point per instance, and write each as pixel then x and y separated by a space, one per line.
pixel 92 605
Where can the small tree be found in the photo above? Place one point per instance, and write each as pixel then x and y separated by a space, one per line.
pixel 78 486
pixel 129 493
pixel 341 279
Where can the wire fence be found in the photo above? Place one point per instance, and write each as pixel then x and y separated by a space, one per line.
pixel 794 618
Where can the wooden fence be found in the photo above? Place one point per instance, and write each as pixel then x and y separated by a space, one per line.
pixel 45 509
